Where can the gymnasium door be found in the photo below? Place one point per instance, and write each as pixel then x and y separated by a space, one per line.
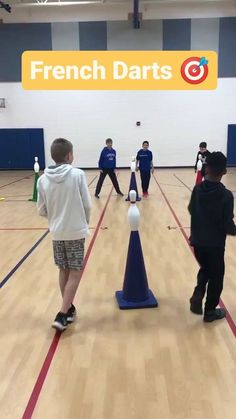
pixel 231 145
pixel 18 147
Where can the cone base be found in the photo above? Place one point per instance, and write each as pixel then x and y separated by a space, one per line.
pixel 150 302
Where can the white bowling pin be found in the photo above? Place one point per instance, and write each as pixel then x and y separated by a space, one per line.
pixel 133 164
pixel 199 163
pixel 36 165
pixel 133 212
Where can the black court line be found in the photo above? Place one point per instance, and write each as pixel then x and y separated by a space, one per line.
pixel 8 276
pixel 169 184
pixel 4 281
pixel 186 186
pixel 18 180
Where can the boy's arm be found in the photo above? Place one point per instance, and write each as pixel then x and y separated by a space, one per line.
pixel 192 199
pixel 115 159
pixel 86 198
pixel 100 160
pixel 41 204
pixel 195 167
pixel 208 153
pixel 230 226
pixel 151 163
pixel 137 161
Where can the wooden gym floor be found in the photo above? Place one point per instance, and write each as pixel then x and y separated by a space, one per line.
pixel 111 364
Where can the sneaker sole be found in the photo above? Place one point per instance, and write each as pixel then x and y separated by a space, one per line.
pixel 71 319
pixel 58 326
pixel 213 320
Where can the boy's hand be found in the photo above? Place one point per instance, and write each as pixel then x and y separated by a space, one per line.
pixel 101 171
pixel 136 169
pixel 152 170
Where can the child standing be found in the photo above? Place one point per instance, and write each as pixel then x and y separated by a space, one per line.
pixel 204 154
pixel 211 208
pixel 63 197
pixel 107 165
pixel 144 162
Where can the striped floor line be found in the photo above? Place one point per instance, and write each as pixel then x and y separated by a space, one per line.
pixel 229 318
pixel 52 349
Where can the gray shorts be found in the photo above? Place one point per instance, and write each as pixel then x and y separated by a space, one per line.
pixel 69 254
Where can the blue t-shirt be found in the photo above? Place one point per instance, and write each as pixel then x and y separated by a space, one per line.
pixel 107 159
pixel 144 158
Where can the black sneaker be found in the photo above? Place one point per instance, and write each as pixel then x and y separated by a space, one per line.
pixel 60 322
pixel 97 196
pixel 217 314
pixel 196 306
pixel 71 314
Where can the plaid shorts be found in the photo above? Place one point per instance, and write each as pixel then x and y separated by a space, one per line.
pixel 69 254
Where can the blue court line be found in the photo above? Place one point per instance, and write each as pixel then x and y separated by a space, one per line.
pixel 3 282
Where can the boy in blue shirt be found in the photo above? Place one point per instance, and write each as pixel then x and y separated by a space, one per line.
pixel 145 164
pixel 107 165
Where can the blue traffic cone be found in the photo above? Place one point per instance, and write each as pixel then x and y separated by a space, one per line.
pixel 135 293
pixel 133 186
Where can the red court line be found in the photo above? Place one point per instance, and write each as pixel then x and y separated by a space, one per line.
pixel 51 352
pixel 229 318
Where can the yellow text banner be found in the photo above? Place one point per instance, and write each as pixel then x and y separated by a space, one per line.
pixel 119 70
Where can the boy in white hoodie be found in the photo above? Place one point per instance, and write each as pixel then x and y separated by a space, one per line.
pixel 63 197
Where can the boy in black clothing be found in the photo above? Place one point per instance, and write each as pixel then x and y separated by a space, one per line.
pixel 211 208
pixel 204 155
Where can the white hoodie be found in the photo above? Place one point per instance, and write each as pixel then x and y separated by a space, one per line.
pixel 63 197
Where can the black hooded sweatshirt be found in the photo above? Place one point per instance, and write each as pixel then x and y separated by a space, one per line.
pixel 212 212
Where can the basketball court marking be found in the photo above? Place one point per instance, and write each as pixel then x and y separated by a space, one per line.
pixel 51 352
pixel 229 319
pixel 8 276
pixel 18 180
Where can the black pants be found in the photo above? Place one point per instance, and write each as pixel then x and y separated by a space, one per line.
pixel 145 179
pixel 211 272
pixel 112 176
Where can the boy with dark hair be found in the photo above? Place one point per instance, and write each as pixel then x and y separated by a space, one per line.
pixel 211 208
pixel 203 155
pixel 144 163
pixel 63 197
pixel 107 165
